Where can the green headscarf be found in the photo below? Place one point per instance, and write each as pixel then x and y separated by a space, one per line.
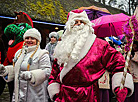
pixel 17 31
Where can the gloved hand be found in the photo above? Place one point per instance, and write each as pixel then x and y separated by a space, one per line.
pixel 2 69
pixel 121 94
pixel 56 98
pixel 26 75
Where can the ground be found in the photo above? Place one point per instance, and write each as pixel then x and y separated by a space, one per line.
pixel 5 97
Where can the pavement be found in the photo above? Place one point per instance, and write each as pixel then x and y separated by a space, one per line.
pixel 5 97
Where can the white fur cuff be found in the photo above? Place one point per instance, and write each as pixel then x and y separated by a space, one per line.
pixel 9 73
pixel 38 77
pixel 53 89
pixel 116 81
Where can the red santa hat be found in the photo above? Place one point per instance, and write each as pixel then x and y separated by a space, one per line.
pixel 75 11
pixel 77 15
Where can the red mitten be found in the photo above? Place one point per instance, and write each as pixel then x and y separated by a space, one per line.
pixel 55 96
pixel 121 94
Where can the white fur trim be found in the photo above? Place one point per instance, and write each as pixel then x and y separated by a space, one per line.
pixel 10 72
pixel 16 80
pixel 89 42
pixel 76 15
pixel 53 89
pixel 116 81
pixel 36 79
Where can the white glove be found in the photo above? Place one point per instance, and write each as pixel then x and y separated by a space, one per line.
pixel 2 69
pixel 26 75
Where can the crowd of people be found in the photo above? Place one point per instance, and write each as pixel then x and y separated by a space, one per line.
pixel 69 70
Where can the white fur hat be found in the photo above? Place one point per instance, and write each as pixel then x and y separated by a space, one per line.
pixel 55 34
pixel 33 32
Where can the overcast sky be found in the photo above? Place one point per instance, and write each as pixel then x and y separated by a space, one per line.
pixel 119 2
pixel 124 4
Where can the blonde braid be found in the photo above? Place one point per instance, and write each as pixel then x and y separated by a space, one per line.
pixel 30 59
pixel 18 55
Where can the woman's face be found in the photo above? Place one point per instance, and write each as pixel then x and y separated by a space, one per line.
pixel 53 39
pixel 30 41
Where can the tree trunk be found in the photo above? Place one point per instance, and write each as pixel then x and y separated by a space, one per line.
pixel 129 7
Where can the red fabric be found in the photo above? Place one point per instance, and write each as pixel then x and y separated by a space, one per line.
pixel 121 94
pixel 80 83
pixel 11 52
pixel 0 57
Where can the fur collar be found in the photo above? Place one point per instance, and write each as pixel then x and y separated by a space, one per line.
pixel 67 67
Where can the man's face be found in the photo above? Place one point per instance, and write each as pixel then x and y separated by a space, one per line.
pixel 78 26
pixel 78 22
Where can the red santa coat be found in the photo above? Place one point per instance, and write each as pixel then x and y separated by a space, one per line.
pixel 78 82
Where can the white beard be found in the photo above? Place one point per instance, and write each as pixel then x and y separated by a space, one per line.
pixel 71 44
